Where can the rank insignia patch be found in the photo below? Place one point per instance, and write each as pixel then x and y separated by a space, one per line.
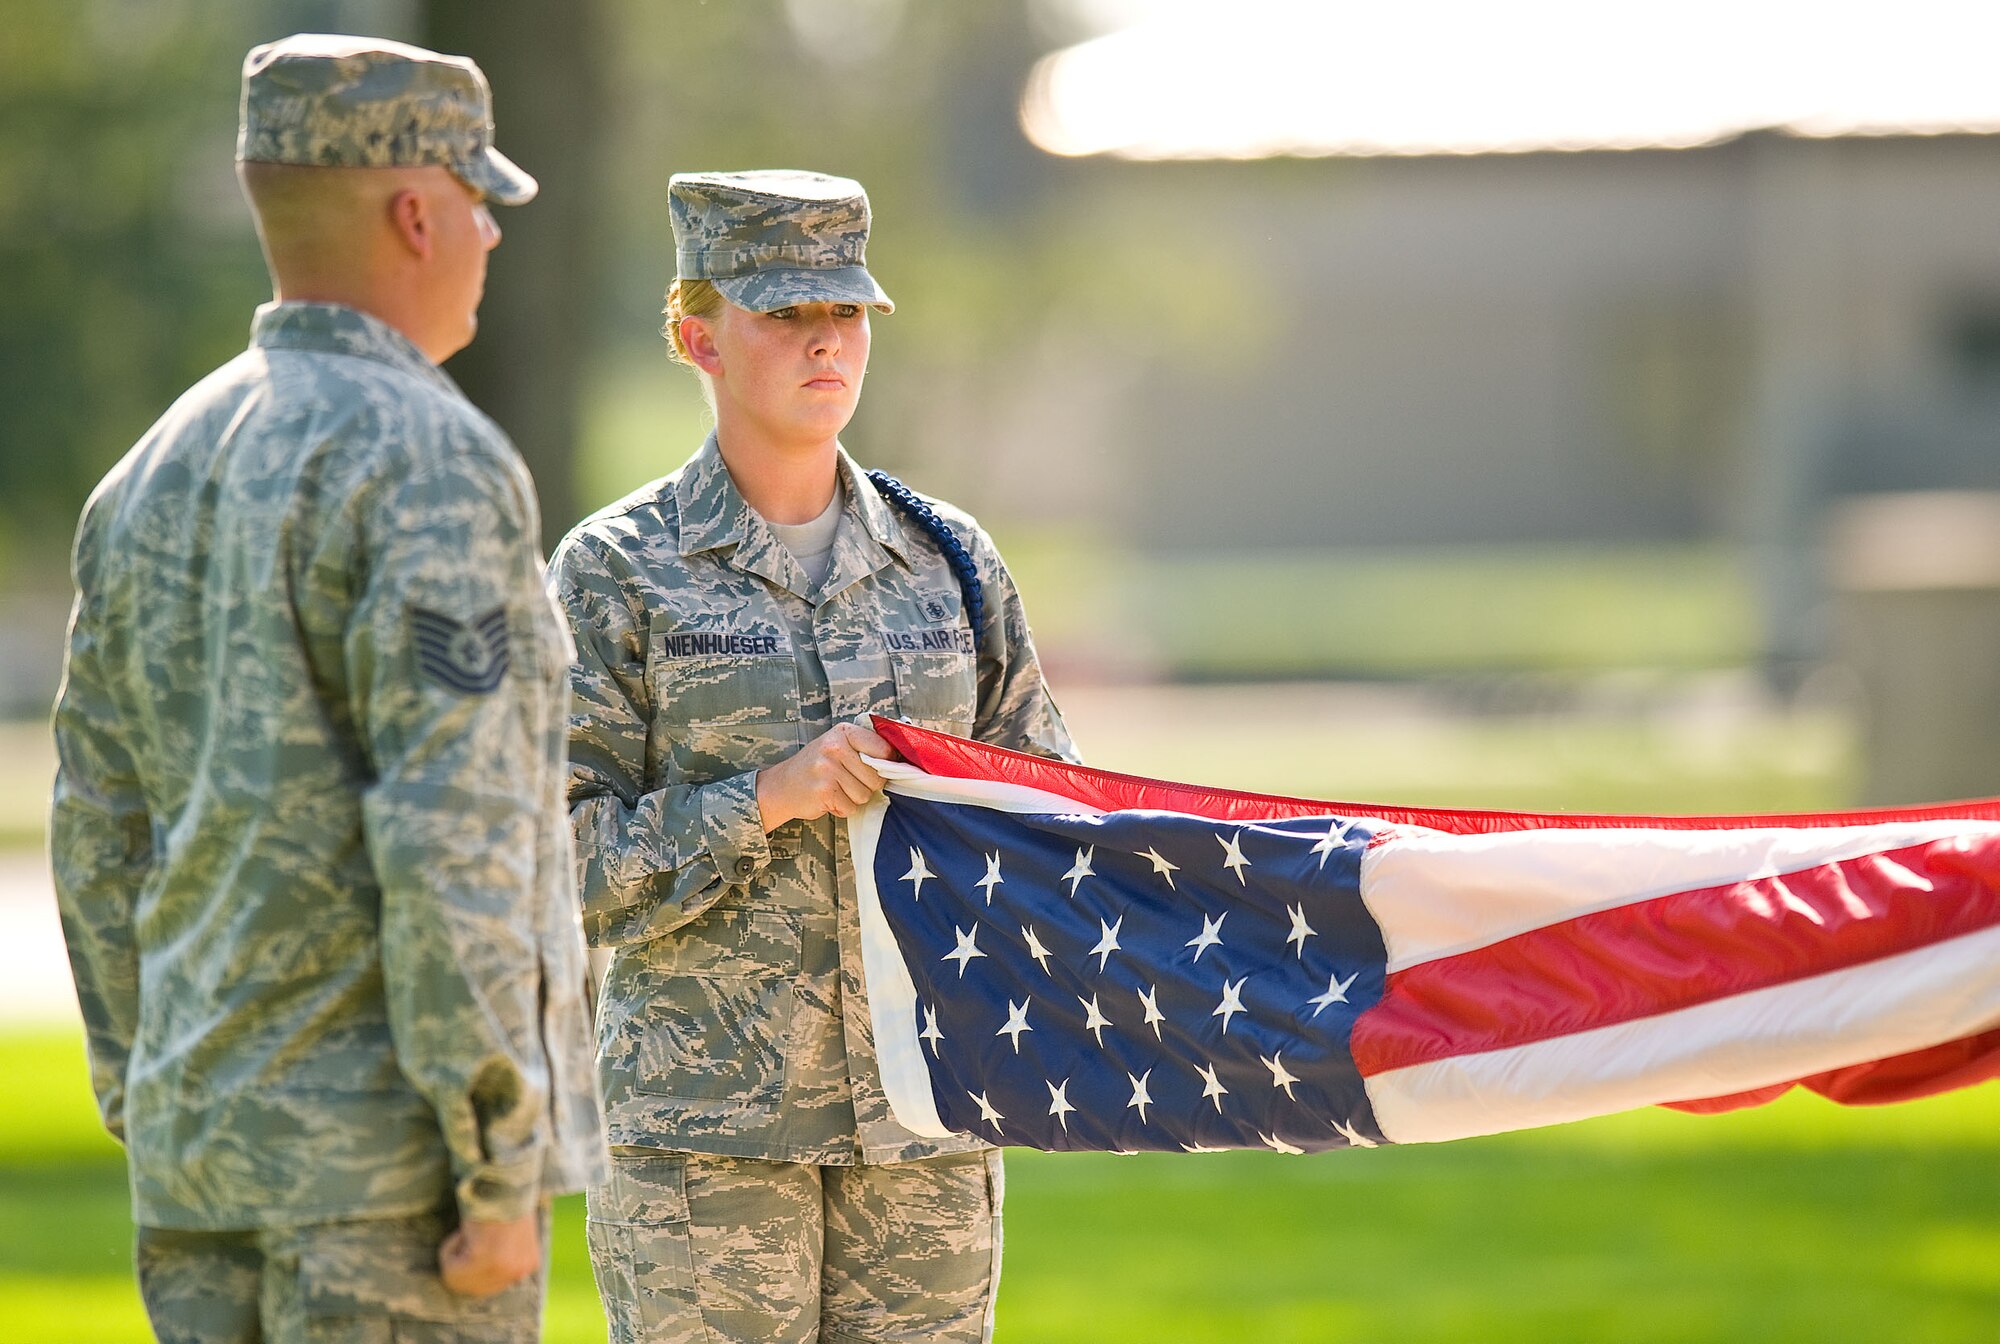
pixel 467 657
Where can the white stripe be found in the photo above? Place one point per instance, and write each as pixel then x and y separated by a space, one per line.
pixel 1874 1011
pixel 1436 895
pixel 892 994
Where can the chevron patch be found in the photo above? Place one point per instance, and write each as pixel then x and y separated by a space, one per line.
pixel 466 657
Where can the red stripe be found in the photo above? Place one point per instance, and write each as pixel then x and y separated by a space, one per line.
pixel 1680 950
pixel 957 758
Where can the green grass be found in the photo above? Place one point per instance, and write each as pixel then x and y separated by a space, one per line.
pixel 1797 1222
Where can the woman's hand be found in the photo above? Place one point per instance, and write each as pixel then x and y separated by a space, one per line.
pixel 831 775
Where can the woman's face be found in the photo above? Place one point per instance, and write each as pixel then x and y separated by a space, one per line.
pixel 793 374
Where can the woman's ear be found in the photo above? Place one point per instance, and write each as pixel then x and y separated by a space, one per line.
pixel 698 335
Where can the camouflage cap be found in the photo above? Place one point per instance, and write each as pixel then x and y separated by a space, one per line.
pixel 362 102
pixel 774 237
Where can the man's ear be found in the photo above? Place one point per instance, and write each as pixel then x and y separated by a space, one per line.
pixel 410 217
pixel 698 335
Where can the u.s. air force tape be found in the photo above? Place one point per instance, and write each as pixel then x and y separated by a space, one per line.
pixel 468 657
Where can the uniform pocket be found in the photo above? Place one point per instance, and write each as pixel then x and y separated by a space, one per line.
pixel 722 713
pixel 717 1008
pixel 938 689
pixel 376 1268
pixel 637 1227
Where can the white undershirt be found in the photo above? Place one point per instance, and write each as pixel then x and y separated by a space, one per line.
pixel 811 544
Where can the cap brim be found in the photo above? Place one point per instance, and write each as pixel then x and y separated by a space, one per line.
pixel 499 177
pixel 781 287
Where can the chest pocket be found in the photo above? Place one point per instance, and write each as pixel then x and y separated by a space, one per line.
pixel 938 689
pixel 723 713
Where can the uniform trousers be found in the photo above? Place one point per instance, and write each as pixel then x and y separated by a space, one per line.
pixel 365 1281
pixel 689 1247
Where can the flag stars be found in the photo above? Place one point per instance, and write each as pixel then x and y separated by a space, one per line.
pixel 1150 1001
pixel 1280 1075
pixel 966 950
pixel 986 1111
pixel 1277 1144
pixel 1094 1020
pixel 1035 948
pixel 1355 1138
pixel 1141 1098
pixel 930 1032
pixel 919 871
pixel 1232 1002
pixel 1336 991
pixel 1080 869
pixel 1210 935
pixel 1059 1105
pixel 1161 866
pixel 1335 838
pixel 1108 943
pixel 992 878
pixel 1232 857
pixel 1017 1022
pixel 1300 929
pixel 1211 1086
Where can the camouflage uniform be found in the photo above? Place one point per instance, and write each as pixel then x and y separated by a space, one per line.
pixel 307 829
pixel 760 1187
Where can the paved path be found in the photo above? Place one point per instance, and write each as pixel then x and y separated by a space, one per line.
pixel 35 987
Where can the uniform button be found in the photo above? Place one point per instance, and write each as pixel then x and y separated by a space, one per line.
pixel 745 866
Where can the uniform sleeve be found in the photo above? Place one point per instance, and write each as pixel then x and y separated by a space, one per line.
pixel 1015 709
pixel 101 850
pixel 444 689
pixel 648 859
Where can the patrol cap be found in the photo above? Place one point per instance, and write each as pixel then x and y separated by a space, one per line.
pixel 774 237
pixel 329 101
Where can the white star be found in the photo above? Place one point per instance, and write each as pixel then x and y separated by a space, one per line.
pixel 1197 1148
pixel 965 951
pixel 1353 1136
pixel 930 1032
pixel 1232 1001
pixel 1035 948
pixel 1336 990
pixel 919 870
pixel 1210 935
pixel 1140 1096
pixel 986 1111
pixel 1212 1085
pixel 1300 929
pixel 1080 870
pixel 1094 1020
pixel 1017 1022
pixel 1161 866
pixel 1336 838
pixel 1153 1014
pixel 992 878
pixel 1280 1075
pixel 1272 1141
pixel 1107 944
pixel 1059 1105
pixel 1232 856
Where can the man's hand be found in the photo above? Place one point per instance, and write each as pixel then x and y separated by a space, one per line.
pixel 829 775
pixel 479 1259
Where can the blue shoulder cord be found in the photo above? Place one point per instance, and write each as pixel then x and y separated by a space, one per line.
pixel 947 541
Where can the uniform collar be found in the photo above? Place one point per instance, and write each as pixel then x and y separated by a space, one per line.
pixel 336 329
pixel 713 514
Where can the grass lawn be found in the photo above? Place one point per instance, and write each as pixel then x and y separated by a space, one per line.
pixel 1797 1222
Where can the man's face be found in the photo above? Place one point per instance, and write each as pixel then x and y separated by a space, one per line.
pixel 466 232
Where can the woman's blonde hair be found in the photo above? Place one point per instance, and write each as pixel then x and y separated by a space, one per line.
pixel 689 298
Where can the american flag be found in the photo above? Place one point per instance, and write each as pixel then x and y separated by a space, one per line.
pixel 1065 958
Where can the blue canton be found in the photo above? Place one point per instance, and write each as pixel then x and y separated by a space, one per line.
pixel 1135 981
